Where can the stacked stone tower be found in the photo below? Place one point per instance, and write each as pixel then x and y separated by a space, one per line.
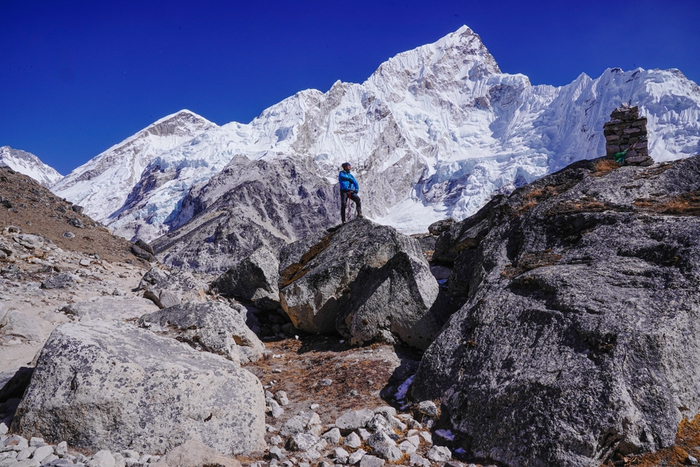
pixel 626 136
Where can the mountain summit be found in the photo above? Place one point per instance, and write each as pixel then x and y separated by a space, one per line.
pixel 433 133
pixel 28 164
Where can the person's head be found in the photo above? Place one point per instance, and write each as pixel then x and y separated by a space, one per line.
pixel 346 166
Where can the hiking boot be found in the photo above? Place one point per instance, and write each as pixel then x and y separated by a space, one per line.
pixel 359 215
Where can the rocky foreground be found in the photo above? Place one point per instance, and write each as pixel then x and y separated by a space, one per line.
pixel 557 326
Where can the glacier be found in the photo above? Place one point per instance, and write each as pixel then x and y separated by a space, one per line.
pixel 433 133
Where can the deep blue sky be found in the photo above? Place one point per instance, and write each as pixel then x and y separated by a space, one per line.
pixel 79 76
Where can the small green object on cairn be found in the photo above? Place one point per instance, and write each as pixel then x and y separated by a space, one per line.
pixel 626 137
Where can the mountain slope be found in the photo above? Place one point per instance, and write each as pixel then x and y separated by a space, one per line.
pixel 112 180
pixel 28 164
pixel 433 133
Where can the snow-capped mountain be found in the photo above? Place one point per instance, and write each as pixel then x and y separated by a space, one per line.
pixel 28 164
pixel 111 181
pixel 433 133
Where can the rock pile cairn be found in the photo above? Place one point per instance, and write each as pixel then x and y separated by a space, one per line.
pixel 626 137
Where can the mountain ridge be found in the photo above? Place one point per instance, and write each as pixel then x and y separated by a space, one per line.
pixel 28 164
pixel 434 132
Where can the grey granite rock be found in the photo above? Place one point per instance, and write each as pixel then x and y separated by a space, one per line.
pixel 439 454
pixel 302 441
pixel 106 308
pixel 254 279
pixel 60 281
pixel 167 287
pixel 582 298
pixel 194 453
pixel 352 441
pixel 17 324
pixel 371 461
pixel 105 384
pixel 354 419
pixel 332 436
pixel 367 281
pixel 214 326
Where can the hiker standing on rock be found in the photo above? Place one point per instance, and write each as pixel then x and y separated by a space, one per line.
pixel 348 190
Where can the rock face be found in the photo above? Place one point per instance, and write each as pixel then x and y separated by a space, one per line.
pixel 110 385
pixel 214 326
pixel 577 338
pixel 347 280
pixel 250 204
pixel 253 280
pixel 389 301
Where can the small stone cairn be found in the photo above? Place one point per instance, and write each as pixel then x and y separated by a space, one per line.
pixel 626 137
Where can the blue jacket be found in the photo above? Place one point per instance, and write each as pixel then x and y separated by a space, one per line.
pixel 347 182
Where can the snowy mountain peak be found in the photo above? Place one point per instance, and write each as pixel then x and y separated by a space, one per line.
pixel 28 164
pixel 105 182
pixel 434 133
pixel 182 123
pixel 457 56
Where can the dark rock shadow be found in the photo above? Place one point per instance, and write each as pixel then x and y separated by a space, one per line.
pixel 13 387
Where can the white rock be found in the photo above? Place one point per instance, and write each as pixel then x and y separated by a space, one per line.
pixel 371 461
pixel 50 458
pixel 311 454
pixel 428 408
pixel 352 441
pixel 439 454
pixel 25 453
pixel 131 454
pixel 16 443
pixel 3 429
pixel 62 449
pixel 42 452
pixel 276 452
pixel 407 447
pixel 353 420
pixel 332 436
pixel 275 410
pixel 426 436
pixel 418 461
pixel 302 441
pixel 282 398
pixel 356 456
pixel 341 455
pixel 37 442
pixel 103 458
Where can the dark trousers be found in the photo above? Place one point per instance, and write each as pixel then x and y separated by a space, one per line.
pixel 344 196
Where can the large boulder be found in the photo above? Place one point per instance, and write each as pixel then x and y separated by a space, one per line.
pixel 214 326
pixel 254 279
pixel 578 336
pixel 14 323
pixel 111 385
pixel 389 301
pixel 166 287
pixel 347 279
pixel 109 308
